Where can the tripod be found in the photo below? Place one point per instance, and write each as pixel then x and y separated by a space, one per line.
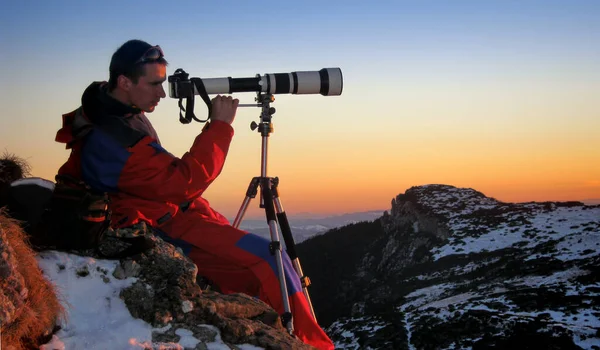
pixel 275 214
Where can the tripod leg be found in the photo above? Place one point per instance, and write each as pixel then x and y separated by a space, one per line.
pixel 290 244
pixel 250 193
pixel 275 248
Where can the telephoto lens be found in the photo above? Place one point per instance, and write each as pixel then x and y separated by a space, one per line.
pixel 327 82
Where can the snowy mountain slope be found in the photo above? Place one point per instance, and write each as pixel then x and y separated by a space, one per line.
pixel 458 270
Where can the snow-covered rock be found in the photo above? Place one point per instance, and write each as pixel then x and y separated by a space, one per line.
pixel 449 268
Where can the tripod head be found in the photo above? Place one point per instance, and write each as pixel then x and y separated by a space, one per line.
pixel 265 127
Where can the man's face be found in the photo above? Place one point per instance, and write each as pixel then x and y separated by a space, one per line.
pixel 148 91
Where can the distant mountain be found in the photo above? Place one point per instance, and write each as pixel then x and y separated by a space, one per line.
pixel 593 201
pixel 449 268
pixel 304 226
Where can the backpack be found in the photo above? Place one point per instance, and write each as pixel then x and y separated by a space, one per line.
pixel 82 217
pixel 76 217
pixel 70 216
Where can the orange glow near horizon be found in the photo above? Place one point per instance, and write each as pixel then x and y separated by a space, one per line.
pixel 347 165
pixel 335 183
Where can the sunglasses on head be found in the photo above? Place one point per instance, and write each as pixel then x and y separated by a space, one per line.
pixel 154 53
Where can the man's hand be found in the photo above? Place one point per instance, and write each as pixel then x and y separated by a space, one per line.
pixel 224 108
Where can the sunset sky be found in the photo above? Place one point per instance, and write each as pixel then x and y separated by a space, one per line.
pixel 499 96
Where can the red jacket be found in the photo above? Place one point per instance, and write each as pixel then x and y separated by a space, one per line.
pixel 114 149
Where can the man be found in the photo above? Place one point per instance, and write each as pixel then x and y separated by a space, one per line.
pixel 122 155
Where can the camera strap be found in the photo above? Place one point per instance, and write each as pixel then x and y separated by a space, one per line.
pixel 189 106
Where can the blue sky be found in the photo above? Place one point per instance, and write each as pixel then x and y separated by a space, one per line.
pixel 490 94
pixel 395 32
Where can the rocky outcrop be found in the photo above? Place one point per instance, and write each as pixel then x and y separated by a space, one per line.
pixel 412 232
pixel 452 268
pixel 167 294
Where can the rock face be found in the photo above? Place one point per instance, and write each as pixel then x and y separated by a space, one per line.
pixel 166 295
pixel 452 268
pixel 29 307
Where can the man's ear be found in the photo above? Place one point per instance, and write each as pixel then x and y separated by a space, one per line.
pixel 124 83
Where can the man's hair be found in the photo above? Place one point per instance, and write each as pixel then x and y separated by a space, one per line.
pixel 123 62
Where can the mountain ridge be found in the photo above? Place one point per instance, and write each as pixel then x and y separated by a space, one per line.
pixel 304 228
pixel 449 267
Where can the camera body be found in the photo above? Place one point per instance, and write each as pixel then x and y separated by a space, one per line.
pixel 180 86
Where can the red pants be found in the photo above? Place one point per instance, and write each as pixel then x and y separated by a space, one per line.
pixel 240 262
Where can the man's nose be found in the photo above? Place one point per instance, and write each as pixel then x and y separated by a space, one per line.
pixel 162 93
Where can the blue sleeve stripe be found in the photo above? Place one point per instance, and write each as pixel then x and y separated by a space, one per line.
pixel 102 161
pixel 259 246
pixel 158 149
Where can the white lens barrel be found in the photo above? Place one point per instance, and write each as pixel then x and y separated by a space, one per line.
pixel 307 82
pixel 327 82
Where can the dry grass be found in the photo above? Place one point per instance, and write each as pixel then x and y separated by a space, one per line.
pixel 13 168
pixel 42 310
